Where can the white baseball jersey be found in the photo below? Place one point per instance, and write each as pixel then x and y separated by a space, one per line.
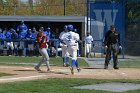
pixel 62 36
pixel 71 38
pixel 89 39
pixel 63 46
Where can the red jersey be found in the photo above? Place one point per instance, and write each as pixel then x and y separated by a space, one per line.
pixel 42 41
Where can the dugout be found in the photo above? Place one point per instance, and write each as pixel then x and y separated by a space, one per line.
pixel 47 21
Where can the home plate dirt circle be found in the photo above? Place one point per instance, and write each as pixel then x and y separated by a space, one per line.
pixel 24 73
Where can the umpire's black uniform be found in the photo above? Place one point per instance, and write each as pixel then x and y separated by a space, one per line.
pixel 112 42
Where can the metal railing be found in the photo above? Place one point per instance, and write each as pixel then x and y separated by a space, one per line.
pixel 56 41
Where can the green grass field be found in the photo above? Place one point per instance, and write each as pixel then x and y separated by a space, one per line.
pixel 10 60
pixel 54 85
pixel 14 60
pixel 130 64
pixel 57 86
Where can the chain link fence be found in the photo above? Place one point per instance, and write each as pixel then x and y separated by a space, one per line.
pixel 43 7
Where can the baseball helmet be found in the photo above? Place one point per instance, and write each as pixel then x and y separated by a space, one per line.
pixel 70 27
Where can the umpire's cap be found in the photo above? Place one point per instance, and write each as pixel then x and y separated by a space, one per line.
pixel 112 26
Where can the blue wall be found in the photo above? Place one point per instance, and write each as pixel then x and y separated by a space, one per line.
pixel 102 15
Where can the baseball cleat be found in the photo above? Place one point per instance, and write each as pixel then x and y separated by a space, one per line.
pixel 105 67
pixel 37 69
pixel 116 68
pixel 48 69
pixel 78 69
pixel 67 65
pixel 72 70
pixel 64 65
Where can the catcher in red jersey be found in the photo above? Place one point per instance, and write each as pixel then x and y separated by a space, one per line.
pixel 42 42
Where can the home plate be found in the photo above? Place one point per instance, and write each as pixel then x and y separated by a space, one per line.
pixel 113 87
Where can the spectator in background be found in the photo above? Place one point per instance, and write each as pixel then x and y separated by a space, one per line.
pixel 14 36
pixel 4 32
pixel 47 32
pixel 22 37
pixel 22 27
pixel 30 43
pixel 9 43
pixel 35 31
pixel 2 37
pixel 41 29
pixel 55 34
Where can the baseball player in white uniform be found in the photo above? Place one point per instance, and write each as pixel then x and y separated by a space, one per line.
pixel 88 42
pixel 71 40
pixel 65 54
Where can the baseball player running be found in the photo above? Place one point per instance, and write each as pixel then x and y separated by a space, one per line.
pixel 65 54
pixel 71 40
pixel 42 41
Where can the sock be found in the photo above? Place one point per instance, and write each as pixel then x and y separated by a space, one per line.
pixel 67 59
pixel 76 63
pixel 73 63
pixel 64 60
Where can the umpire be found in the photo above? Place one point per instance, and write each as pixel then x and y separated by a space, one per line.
pixel 112 43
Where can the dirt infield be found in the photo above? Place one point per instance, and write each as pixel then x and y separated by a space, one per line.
pixel 24 73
